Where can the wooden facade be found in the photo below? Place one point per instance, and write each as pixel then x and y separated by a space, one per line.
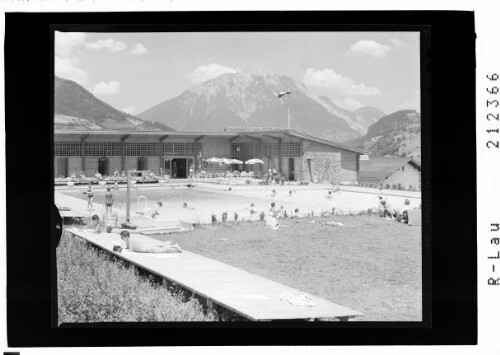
pixel 175 152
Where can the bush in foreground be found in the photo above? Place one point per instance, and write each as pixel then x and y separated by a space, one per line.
pixel 94 288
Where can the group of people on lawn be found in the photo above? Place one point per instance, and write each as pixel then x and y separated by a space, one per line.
pixel 389 212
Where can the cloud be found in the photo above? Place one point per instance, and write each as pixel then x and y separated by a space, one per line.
pixel 68 68
pixel 131 110
pixel 107 89
pixel 110 43
pixel 411 104
pixel 138 49
pixel 208 72
pixel 326 81
pixel 348 104
pixel 66 41
pixel 397 43
pixel 368 48
pixel 66 61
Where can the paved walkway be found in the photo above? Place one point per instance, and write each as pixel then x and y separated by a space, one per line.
pixel 246 294
pixel 79 207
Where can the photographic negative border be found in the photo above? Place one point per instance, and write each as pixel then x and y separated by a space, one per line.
pixel 449 257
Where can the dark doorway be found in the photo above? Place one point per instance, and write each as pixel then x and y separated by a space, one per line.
pixel 291 169
pixel 62 167
pixel 179 168
pixel 142 163
pixel 102 166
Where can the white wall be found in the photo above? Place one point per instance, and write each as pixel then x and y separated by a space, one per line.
pixel 408 177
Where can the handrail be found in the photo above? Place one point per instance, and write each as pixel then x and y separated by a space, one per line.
pixel 144 211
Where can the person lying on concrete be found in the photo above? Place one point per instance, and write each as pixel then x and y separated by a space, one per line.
pixel 141 247
pixel 95 225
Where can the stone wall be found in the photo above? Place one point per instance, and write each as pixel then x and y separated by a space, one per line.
pixel 321 167
pixel 348 165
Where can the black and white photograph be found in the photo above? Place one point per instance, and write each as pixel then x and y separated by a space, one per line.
pixel 221 179
pixel 238 176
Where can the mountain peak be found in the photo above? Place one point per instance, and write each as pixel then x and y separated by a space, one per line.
pixel 246 99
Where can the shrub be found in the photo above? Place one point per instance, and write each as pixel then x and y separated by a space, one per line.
pixel 214 219
pixel 93 286
pixel 224 217
pixel 262 216
pixel 235 216
pixel 248 181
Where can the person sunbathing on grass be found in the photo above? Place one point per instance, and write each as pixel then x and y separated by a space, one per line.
pixel 141 247
pixel 271 221
pixel 274 193
pixel 329 196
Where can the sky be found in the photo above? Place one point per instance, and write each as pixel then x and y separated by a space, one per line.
pixel 135 71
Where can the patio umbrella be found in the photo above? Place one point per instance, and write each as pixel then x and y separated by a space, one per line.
pixel 236 161
pixel 214 160
pixel 226 161
pixel 254 161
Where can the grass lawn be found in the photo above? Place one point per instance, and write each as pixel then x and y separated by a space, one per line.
pixel 370 264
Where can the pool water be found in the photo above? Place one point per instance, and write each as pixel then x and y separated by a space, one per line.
pixel 203 202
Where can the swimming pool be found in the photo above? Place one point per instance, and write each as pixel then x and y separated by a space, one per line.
pixel 203 202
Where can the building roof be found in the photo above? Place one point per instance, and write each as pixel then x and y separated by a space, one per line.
pixel 382 168
pixel 270 134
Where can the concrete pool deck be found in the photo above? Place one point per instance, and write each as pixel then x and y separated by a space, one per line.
pixel 146 225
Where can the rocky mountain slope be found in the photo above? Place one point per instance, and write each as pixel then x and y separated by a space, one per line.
pixel 359 120
pixel 77 108
pixel 249 100
pixel 394 135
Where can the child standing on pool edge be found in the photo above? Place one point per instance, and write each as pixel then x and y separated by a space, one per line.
pixel 90 196
pixel 108 201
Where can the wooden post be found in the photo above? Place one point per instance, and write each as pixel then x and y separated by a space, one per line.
pixel 280 155
pixel 197 152
pixel 83 155
pixel 128 196
pixel 160 152
pixel 301 168
pixel 82 140
pixel 123 139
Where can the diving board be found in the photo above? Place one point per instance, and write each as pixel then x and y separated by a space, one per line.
pixel 244 293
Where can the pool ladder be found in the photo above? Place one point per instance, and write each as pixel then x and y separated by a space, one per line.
pixel 144 210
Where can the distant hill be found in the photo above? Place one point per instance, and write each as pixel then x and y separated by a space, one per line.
pixel 249 100
pixel 77 108
pixel 394 135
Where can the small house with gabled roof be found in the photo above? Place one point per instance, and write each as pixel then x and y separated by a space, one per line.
pixel 395 173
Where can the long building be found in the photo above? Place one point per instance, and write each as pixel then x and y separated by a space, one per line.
pixel 298 156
